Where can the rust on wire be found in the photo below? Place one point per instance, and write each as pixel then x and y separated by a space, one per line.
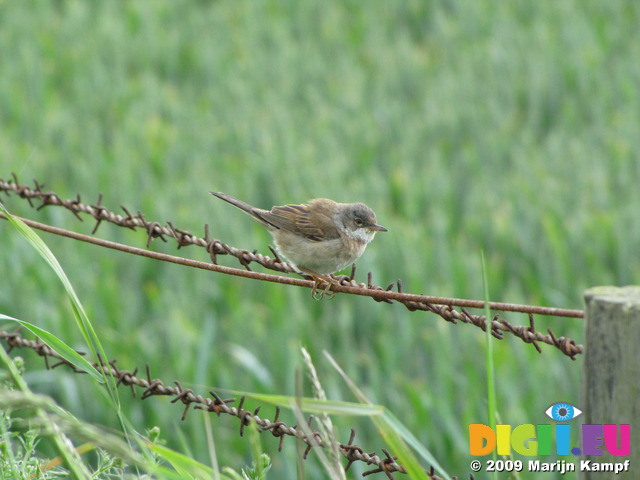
pixel 441 306
pixel 216 404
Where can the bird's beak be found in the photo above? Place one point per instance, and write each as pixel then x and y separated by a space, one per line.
pixel 378 228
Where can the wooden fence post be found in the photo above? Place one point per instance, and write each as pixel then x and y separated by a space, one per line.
pixel 611 378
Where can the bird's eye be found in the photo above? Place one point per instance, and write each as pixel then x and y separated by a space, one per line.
pixel 359 222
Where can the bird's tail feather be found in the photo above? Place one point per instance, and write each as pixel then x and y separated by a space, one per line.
pixel 235 202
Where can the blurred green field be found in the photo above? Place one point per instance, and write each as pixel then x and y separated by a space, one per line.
pixel 468 126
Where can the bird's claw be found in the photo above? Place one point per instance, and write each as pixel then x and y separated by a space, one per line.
pixel 321 284
pixel 326 290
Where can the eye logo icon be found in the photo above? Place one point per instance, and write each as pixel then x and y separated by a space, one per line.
pixel 562 412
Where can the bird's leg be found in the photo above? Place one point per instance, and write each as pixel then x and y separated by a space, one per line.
pixel 275 254
pixel 318 281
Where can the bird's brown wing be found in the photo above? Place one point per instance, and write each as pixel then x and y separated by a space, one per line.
pixel 301 220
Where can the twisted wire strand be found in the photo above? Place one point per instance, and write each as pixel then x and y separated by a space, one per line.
pixel 438 305
pixel 215 403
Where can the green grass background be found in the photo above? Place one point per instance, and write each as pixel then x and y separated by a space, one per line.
pixel 468 126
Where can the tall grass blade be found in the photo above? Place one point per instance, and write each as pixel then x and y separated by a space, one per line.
pixel 65 351
pixel 82 320
pixel 395 434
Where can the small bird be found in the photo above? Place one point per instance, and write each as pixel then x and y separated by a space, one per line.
pixel 317 238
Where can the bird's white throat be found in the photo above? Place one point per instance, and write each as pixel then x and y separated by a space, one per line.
pixel 362 234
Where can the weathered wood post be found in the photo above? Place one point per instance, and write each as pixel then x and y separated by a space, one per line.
pixel 611 379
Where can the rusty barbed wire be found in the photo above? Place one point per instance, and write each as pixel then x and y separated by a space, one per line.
pixel 219 405
pixel 131 221
pixel 442 307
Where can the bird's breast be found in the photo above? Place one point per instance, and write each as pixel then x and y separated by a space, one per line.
pixel 323 257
